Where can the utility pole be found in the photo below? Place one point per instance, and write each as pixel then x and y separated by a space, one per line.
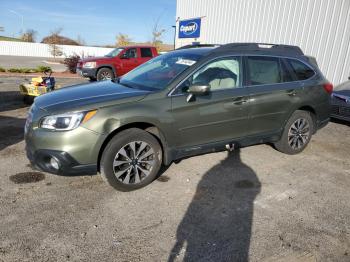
pixel 174 26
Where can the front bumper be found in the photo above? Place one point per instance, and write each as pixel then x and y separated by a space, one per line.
pixel 67 165
pixel 75 151
pixel 87 72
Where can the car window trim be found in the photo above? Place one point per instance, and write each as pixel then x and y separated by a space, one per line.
pixel 286 57
pixel 280 68
pixel 290 67
pixel 170 93
pixel 290 71
pixel 243 83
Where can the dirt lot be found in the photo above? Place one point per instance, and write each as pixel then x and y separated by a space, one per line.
pixel 255 204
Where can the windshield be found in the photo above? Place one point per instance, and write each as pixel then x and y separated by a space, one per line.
pixel 157 73
pixel 114 52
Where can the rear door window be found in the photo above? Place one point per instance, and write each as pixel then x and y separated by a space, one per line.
pixel 263 70
pixel 146 52
pixel 301 70
pixel 286 74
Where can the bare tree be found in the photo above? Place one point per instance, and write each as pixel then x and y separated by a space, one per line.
pixel 157 34
pixel 80 40
pixel 53 40
pixel 29 35
pixel 123 40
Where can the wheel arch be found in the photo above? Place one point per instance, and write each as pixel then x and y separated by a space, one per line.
pixel 106 66
pixel 148 127
pixel 306 108
pixel 312 112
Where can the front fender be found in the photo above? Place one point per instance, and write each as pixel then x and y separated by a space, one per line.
pixel 106 66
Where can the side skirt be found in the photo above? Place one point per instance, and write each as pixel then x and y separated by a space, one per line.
pixel 177 154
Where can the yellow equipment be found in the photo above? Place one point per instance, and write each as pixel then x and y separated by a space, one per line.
pixel 37 87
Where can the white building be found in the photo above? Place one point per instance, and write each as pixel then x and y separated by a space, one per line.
pixel 320 27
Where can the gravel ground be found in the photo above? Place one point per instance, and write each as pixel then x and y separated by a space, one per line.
pixel 9 87
pixel 253 204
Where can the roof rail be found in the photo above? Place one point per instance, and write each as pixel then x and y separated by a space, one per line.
pixel 197 46
pixel 273 48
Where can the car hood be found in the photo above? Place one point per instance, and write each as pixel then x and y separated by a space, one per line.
pixel 93 59
pixel 87 96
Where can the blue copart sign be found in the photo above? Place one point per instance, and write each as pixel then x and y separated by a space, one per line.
pixel 190 28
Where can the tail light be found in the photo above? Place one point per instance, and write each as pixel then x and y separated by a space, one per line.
pixel 328 87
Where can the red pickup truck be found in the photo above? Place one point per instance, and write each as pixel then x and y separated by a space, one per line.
pixel 116 63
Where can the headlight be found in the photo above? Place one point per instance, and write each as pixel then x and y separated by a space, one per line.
pixel 67 121
pixel 89 65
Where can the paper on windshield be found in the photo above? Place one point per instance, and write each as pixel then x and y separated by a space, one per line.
pixel 187 62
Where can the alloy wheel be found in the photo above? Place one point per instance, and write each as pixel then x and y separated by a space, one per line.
pixel 106 76
pixel 133 162
pixel 299 133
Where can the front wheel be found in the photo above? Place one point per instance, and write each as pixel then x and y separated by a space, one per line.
pixel 297 133
pixel 105 74
pixel 131 160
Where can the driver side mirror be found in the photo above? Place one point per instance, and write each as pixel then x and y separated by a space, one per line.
pixel 197 90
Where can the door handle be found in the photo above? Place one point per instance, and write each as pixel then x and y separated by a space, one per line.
pixel 291 92
pixel 240 100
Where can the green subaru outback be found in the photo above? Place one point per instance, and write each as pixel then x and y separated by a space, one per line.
pixel 184 103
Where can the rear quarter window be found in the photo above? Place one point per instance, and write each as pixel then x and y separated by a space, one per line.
pixel 300 70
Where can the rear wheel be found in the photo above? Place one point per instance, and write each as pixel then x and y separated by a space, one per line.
pixel 131 160
pixel 297 133
pixel 105 74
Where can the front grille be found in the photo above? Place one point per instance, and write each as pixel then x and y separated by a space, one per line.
pixel 341 110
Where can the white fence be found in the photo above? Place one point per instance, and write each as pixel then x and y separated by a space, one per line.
pixel 44 50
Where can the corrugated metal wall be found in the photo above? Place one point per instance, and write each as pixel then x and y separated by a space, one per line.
pixel 320 27
pixel 43 50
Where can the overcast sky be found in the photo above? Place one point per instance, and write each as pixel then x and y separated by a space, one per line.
pixel 97 22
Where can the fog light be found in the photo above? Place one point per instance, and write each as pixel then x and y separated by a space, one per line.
pixel 54 163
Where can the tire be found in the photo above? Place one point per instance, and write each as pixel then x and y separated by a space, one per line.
pixel 105 74
pixel 123 167
pixel 297 133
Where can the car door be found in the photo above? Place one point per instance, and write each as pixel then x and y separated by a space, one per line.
pixel 221 115
pixel 129 60
pixel 272 93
